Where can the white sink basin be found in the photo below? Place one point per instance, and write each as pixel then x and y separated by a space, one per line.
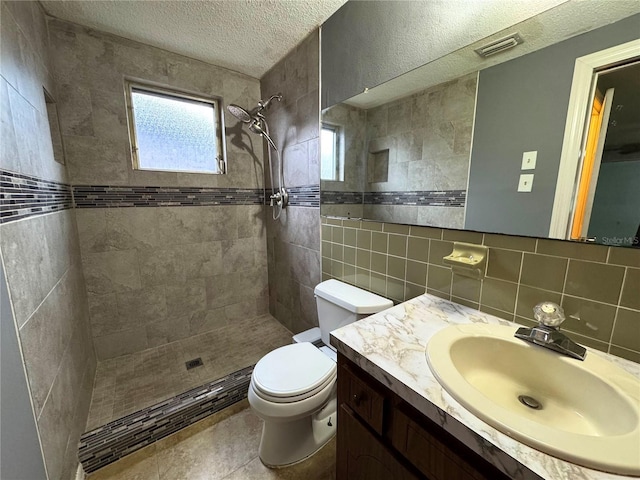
pixel 589 410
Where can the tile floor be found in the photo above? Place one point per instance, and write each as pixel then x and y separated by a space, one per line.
pixel 223 446
pixel 131 382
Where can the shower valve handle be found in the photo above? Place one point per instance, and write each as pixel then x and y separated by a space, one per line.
pixel 277 197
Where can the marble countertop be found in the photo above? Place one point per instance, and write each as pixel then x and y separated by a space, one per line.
pixel 391 347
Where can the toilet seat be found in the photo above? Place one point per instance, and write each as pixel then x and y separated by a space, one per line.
pixel 293 373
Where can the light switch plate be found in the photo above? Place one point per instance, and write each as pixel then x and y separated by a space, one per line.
pixel 529 160
pixel 526 182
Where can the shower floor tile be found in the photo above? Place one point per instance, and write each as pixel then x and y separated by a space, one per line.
pixel 130 383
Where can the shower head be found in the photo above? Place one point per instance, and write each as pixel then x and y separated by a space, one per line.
pixel 240 113
pixel 254 118
pixel 252 115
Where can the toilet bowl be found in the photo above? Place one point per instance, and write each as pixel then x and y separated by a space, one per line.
pixel 293 388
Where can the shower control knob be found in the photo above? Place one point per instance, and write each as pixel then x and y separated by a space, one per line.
pixel 276 198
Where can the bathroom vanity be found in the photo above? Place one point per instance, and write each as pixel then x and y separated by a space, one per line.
pixel 380 436
pixel 395 420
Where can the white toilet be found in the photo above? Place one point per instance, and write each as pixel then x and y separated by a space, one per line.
pixel 293 388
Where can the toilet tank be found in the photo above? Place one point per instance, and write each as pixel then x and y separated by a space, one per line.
pixel 340 304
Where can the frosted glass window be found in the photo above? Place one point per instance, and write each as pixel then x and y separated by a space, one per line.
pixel 331 160
pixel 175 133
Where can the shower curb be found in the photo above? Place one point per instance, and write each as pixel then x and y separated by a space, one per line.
pixel 115 440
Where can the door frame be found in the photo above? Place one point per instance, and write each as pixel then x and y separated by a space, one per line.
pixel 576 123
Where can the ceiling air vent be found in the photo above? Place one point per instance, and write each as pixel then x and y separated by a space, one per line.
pixel 499 45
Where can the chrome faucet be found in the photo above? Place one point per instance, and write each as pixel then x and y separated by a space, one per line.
pixel 547 333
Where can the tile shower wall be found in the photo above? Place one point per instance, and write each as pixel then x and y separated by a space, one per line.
pixel 40 251
pixel 596 285
pixel 353 124
pixel 293 241
pixel 193 259
pixel 426 143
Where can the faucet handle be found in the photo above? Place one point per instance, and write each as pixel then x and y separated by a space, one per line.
pixel 549 314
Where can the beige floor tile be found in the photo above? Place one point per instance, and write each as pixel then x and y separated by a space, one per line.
pixel 141 465
pixel 223 446
pixel 320 466
pixel 213 453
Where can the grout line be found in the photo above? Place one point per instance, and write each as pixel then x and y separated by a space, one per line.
pixel 613 329
pixel 564 282
pixel 622 285
pixel 239 468
pixel 615 319
pixel 591 300
pixel 54 287
pixel 626 350
pixel 426 280
pixel 515 306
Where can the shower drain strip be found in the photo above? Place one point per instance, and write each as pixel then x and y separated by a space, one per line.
pixel 111 442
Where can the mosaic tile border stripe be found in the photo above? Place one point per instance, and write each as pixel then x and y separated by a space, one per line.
pixel 108 196
pixel 23 196
pixel 341 198
pixel 304 196
pixel 111 442
pixel 432 198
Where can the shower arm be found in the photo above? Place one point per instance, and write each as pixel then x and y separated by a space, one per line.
pixel 264 105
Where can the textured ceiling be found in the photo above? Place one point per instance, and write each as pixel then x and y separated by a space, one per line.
pixel 248 36
pixel 563 21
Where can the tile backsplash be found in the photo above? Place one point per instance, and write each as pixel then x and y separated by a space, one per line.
pixel 598 286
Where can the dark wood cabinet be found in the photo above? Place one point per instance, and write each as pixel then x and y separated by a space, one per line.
pixel 382 437
pixel 363 456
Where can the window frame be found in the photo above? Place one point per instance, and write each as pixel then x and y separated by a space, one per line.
pixel 220 158
pixel 338 150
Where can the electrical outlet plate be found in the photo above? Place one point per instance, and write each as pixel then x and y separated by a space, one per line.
pixel 529 160
pixel 526 182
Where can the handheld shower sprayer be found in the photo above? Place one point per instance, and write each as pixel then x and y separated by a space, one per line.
pixel 258 124
pixel 255 119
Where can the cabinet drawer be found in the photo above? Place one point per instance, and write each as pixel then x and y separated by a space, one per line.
pixel 363 398
pixel 439 458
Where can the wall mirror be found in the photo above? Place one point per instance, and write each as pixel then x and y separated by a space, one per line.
pixel 485 148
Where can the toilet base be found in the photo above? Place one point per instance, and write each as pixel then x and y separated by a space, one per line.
pixel 285 443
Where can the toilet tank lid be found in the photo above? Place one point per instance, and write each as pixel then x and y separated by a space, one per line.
pixel 352 298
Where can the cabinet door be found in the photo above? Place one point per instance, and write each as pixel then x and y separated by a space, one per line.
pixel 361 456
pixel 362 397
pixel 434 452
